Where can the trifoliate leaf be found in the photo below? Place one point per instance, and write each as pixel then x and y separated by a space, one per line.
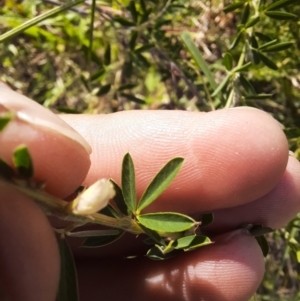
pixel 188 243
pixel 262 241
pixel 128 183
pixel 165 222
pixel 68 286
pixel 5 118
pixel 22 161
pixel 100 241
pixel 160 182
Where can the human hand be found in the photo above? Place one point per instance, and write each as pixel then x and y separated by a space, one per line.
pixel 236 165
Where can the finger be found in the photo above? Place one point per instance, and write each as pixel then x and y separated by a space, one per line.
pixel 60 155
pixel 231 269
pixel 29 259
pixel 273 210
pixel 231 156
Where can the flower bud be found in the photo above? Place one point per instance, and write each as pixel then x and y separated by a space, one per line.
pixel 94 198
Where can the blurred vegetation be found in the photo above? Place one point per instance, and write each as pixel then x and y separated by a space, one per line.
pixel 107 56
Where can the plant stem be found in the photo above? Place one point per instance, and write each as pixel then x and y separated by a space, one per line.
pixel 57 207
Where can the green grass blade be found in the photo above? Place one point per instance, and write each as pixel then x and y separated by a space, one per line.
pixel 197 56
pixel 128 183
pixel 160 182
pixel 38 19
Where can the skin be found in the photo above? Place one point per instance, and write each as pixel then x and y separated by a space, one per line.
pixel 237 165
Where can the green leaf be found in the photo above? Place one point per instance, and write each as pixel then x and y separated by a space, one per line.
pixel 247 85
pixel 127 87
pixel 166 222
pixel 267 61
pixel 101 241
pixel 269 43
pixel 68 286
pixel 234 6
pixel 255 56
pixel 259 96
pixel 104 90
pixel 133 39
pixel 5 118
pixel 155 237
pixel 206 219
pixel 278 47
pixel 107 55
pixel 280 4
pixel 236 40
pixel 280 15
pixel 5 170
pixel 132 9
pixel 128 183
pixel 98 75
pixel 143 48
pixel 109 210
pixel 253 42
pixel 246 13
pixel 123 21
pixel 222 85
pixel 263 37
pixel 242 68
pixel 252 22
pixel 188 243
pixel 258 230
pixel 198 58
pixel 68 110
pixel 227 61
pixel 133 98
pixel 156 253
pixel 160 182
pixel 23 162
pixel 263 244
pixel 119 199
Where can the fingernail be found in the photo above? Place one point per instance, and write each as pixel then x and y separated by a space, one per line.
pixel 26 110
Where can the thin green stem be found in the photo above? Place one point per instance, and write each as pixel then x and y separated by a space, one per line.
pixel 57 207
pixel 38 19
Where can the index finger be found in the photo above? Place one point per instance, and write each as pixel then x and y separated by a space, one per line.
pixel 231 156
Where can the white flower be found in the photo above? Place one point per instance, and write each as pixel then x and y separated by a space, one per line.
pixel 94 198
